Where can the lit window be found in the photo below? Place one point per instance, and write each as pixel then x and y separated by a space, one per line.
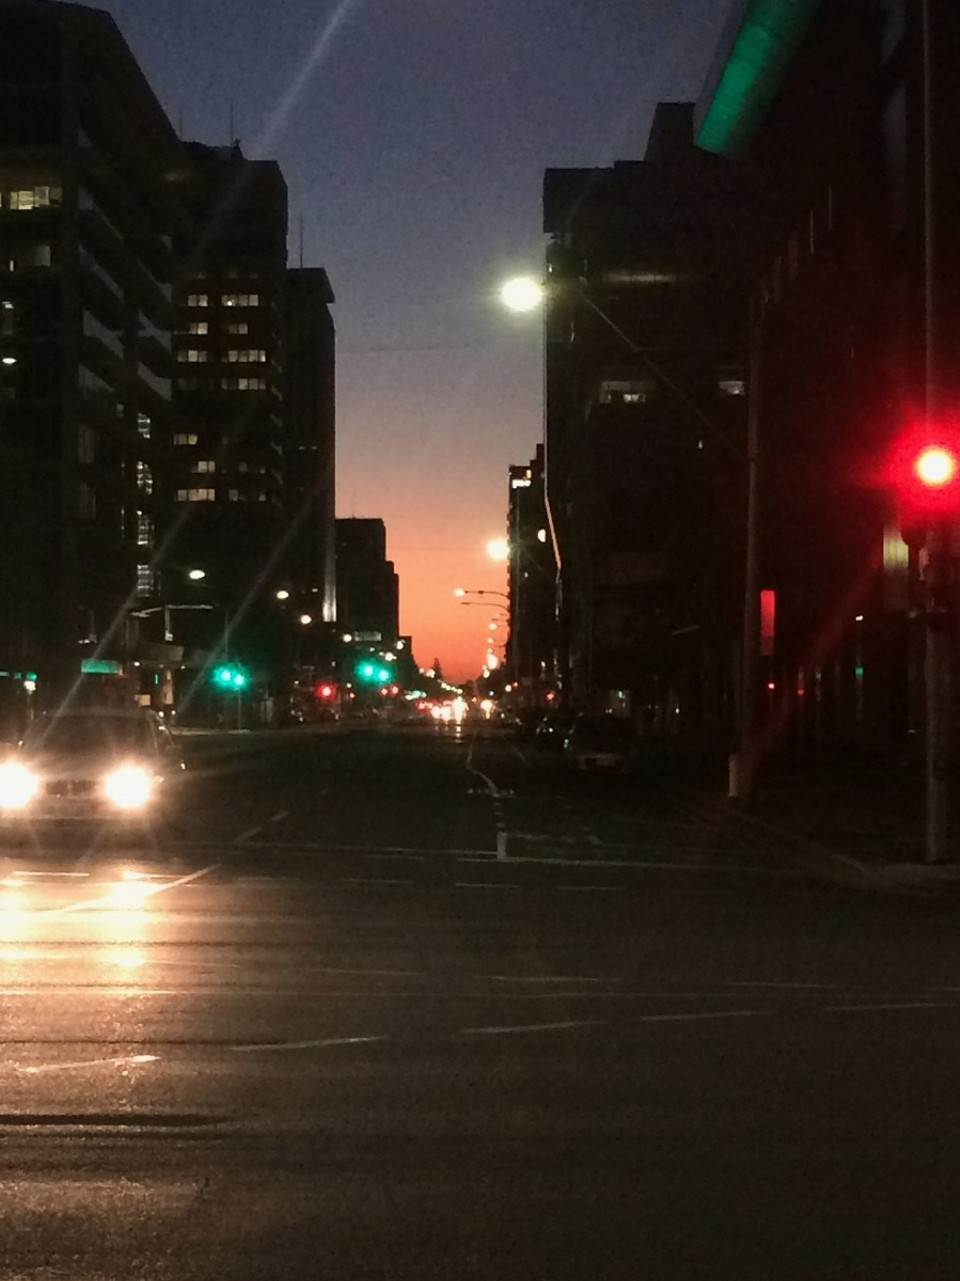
pixel 235 496
pixel 243 384
pixel 144 425
pixel 185 438
pixel 246 357
pixel 237 327
pixel 193 356
pixel 204 465
pixel 240 300
pixel 144 530
pixel 145 580
pixel 144 478
pixel 198 327
pixel 196 495
pixel 198 300
pixel 732 387
pixel 620 391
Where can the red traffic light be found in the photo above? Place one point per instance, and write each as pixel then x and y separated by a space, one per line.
pixel 325 690
pixel 924 474
pixel 935 466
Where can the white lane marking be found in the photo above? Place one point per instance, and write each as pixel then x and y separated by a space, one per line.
pixel 538 978
pixel 413 852
pixel 279 816
pixel 273 1046
pixel 517 752
pixel 487 885
pixel 30 872
pixel 498 815
pixel 151 891
pixel 711 1014
pixel 88 1063
pixel 528 1027
pixel 798 986
pixel 635 863
pixel 372 880
pixel 245 836
pixel 891 1005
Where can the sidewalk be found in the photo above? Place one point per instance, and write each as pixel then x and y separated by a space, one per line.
pixel 860 822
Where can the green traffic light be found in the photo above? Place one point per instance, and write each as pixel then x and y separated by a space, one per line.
pixel 230 678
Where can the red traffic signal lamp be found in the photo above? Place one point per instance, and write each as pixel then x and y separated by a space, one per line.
pixel 924 475
pixel 325 690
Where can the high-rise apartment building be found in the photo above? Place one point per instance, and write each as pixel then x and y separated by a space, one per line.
pixel 367 584
pixel 87 225
pixel 227 470
pixel 309 461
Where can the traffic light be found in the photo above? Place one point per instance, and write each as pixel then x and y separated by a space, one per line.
pixel 925 477
pixel 373 671
pixel 325 690
pixel 230 676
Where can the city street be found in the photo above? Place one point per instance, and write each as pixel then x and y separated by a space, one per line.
pixel 414 1003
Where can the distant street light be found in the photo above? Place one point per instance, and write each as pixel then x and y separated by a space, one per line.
pixel 195 575
pixel 283 594
pixel 498 549
pixel 478 591
pixel 306 620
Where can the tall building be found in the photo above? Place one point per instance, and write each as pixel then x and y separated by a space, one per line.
pixel 367 584
pixel 87 224
pixel 228 453
pixel 309 459
pixel 644 432
pixel 531 577
pixel 848 124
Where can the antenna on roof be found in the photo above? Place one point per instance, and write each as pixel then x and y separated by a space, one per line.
pixel 301 238
pixel 230 135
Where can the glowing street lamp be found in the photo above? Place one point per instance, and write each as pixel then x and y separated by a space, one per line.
pixel 498 549
pixel 195 575
pixel 522 293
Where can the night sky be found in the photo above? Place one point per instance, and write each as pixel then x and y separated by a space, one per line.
pixel 413 135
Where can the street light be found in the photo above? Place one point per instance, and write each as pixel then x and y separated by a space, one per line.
pixel 478 591
pixel 196 575
pixel 498 549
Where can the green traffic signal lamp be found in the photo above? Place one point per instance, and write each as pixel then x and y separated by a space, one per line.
pixel 230 677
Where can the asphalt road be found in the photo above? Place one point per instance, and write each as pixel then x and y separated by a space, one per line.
pixel 403 1005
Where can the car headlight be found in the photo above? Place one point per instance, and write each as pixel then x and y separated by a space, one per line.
pixel 129 787
pixel 18 786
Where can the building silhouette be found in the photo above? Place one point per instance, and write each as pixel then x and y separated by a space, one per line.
pixel 87 229
pixel 644 429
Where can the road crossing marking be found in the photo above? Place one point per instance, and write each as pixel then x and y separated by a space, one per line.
pixel 529 1027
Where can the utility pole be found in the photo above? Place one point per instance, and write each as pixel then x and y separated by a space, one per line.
pixel 743 759
pixel 940 605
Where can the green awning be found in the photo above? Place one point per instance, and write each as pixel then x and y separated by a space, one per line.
pixel 749 71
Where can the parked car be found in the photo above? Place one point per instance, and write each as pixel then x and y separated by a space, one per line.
pixel 602 743
pixel 91 766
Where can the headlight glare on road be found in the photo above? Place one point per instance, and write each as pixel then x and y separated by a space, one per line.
pixel 129 787
pixel 18 786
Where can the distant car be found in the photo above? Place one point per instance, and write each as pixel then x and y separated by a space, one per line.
pixel 103 766
pixel 552 729
pixel 602 743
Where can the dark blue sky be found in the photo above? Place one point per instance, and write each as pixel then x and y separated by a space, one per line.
pixel 413 135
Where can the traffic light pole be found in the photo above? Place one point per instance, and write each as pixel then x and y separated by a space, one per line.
pixel 938 673
pixel 940 604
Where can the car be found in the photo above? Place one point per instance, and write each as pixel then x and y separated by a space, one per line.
pixel 109 767
pixel 602 743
